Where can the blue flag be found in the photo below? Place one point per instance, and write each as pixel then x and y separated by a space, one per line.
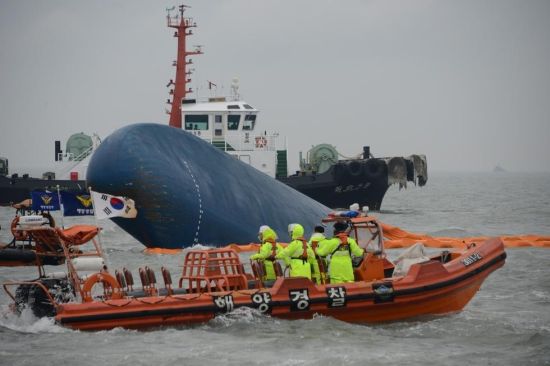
pixel 77 203
pixel 45 201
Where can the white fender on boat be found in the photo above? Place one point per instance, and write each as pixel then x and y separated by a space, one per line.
pixel 88 263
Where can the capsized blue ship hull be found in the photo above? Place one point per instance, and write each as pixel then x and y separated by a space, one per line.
pixel 189 192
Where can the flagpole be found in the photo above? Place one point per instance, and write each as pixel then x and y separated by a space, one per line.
pixel 62 208
pixel 105 258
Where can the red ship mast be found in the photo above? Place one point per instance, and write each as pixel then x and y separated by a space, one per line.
pixel 180 90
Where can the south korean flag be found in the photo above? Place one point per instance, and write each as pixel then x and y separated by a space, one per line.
pixel 107 206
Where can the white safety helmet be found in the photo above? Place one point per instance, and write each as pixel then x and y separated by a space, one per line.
pixel 290 229
pixel 261 231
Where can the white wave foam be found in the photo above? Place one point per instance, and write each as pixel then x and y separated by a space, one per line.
pixel 243 315
pixel 28 323
pixel 118 330
pixel 202 247
pixel 541 295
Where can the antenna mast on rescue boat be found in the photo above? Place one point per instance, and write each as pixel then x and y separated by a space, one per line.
pixel 180 90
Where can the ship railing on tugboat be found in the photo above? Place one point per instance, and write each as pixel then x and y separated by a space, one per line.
pixel 248 142
pixel 69 162
pixel 73 157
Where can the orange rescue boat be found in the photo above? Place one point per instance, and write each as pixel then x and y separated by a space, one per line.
pixel 24 249
pixel 215 282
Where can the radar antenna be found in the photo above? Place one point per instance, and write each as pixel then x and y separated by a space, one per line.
pixel 235 89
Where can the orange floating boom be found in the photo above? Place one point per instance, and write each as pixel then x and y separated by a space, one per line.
pixel 399 238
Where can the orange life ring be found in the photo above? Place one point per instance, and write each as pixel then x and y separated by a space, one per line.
pixel 261 142
pixel 105 278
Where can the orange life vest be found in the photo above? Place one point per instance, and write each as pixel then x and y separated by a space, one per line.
pixel 304 250
pixel 314 244
pixel 273 249
pixel 344 244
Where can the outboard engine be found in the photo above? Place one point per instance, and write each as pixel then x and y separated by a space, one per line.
pixel 34 297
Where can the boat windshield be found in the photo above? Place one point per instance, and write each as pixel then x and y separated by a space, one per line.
pixel 196 122
pixel 369 239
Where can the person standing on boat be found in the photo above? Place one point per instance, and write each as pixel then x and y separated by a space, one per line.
pixel 316 240
pixel 340 248
pixel 298 253
pixel 268 250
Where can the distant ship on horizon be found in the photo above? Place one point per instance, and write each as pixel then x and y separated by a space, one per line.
pixel 499 169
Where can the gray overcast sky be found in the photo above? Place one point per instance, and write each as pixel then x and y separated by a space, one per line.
pixel 465 82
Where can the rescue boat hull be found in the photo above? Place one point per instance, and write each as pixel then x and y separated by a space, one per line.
pixel 431 288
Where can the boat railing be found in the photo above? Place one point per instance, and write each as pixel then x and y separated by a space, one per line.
pixel 213 270
pixel 44 289
pixel 74 159
pixel 249 142
pixel 366 230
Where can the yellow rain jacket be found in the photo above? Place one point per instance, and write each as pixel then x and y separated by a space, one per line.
pixel 299 253
pixel 315 242
pixel 340 249
pixel 268 250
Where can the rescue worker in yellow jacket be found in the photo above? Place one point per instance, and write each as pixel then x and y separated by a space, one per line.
pixel 298 253
pixel 316 240
pixel 340 248
pixel 268 250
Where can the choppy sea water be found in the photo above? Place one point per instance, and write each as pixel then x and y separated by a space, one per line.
pixel 506 323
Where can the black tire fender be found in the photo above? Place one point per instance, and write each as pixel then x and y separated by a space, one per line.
pixel 354 168
pixel 374 168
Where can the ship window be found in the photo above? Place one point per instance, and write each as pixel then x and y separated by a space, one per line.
pixel 246 106
pixel 233 121
pixel 196 121
pixel 249 122
pixel 233 106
